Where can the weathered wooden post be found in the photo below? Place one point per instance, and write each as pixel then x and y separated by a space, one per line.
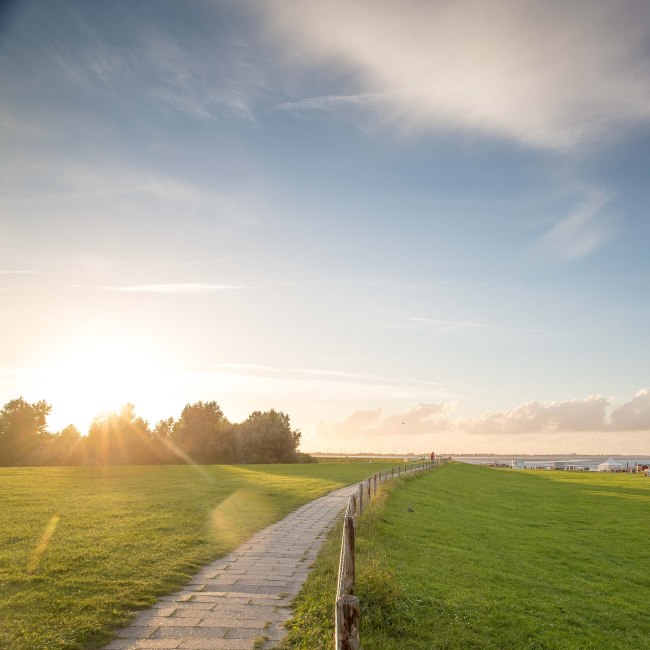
pixel 347 611
pixel 347 623
pixel 374 480
pixel 347 557
pixel 369 488
pixel 360 498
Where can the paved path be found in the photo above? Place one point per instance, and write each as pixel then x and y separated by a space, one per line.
pixel 241 601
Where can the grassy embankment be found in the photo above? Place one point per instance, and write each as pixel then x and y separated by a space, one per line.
pixel 494 559
pixel 82 548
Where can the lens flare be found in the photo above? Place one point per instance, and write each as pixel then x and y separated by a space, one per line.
pixel 238 515
pixel 42 544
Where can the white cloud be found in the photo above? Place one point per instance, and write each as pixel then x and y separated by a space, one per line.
pixel 539 418
pixel 633 415
pixel 582 420
pixel 552 75
pixel 423 419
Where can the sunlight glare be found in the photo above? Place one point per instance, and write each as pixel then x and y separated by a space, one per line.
pixel 102 371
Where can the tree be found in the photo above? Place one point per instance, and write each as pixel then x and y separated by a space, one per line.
pixel 120 438
pixel 267 438
pixel 67 447
pixel 162 437
pixel 22 425
pixel 204 434
pixel 63 448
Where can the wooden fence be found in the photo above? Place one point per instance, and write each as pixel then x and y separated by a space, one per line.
pixel 347 612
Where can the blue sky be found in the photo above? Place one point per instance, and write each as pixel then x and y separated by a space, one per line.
pixel 409 225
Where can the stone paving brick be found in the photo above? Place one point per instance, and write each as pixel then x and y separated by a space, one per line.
pixel 143 644
pixel 243 597
pixel 216 644
pixel 183 633
pixel 135 632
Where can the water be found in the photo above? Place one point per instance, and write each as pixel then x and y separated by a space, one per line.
pixel 548 462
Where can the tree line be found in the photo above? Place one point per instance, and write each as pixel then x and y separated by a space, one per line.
pixel 201 434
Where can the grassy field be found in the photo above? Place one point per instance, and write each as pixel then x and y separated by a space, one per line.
pixel 494 559
pixel 82 548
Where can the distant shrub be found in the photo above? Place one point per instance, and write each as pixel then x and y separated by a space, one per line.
pixel 302 457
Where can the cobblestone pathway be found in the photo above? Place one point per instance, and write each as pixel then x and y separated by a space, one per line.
pixel 241 601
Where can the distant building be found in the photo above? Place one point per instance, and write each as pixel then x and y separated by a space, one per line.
pixel 610 465
pixel 518 464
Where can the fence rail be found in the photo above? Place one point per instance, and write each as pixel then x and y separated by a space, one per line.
pixel 348 611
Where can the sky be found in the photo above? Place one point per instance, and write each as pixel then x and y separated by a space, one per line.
pixel 412 226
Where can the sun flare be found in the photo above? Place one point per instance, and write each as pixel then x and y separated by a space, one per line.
pixel 100 372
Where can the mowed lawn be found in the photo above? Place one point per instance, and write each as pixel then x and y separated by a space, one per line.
pixel 82 548
pixel 495 559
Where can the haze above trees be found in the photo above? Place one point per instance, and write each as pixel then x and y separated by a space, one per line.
pixel 202 434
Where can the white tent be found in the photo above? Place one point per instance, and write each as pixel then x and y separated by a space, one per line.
pixel 610 465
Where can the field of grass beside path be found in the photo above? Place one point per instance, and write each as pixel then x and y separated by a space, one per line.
pixel 493 559
pixel 82 548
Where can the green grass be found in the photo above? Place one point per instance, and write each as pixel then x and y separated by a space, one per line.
pixel 494 559
pixel 82 548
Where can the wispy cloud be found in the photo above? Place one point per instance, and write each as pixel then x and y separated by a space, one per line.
pixel 582 232
pixel 19 126
pixel 203 85
pixel 15 274
pixel 155 64
pixel 551 77
pixel 74 185
pixel 18 272
pixel 451 326
pixel 306 373
pixel 329 103
pixel 179 288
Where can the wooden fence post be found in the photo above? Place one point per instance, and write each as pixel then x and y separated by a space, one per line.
pixel 360 498
pixel 347 556
pixel 347 623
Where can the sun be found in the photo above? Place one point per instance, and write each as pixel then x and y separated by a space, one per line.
pixel 100 371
